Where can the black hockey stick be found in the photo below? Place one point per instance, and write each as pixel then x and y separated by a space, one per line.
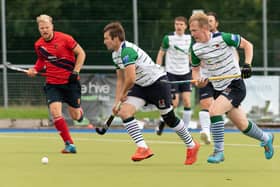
pixel 107 124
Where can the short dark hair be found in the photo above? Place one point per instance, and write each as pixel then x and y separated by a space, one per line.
pixel 214 14
pixel 181 18
pixel 115 30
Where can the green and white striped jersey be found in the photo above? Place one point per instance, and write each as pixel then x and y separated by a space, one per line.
pixel 147 71
pixel 217 57
pixel 177 50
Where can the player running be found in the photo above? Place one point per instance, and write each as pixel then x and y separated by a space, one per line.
pixel 139 83
pixel 60 55
pixel 212 52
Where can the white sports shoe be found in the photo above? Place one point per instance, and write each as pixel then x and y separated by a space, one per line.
pixel 205 137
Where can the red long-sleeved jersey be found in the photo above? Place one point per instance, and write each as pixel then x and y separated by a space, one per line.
pixel 56 57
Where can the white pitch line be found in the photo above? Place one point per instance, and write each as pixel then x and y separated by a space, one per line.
pixel 119 140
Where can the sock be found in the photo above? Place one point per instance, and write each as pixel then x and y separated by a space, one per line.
pixel 217 129
pixel 161 119
pixel 61 126
pixel 184 134
pixel 204 119
pixel 254 131
pixel 187 113
pixel 81 116
pixel 134 132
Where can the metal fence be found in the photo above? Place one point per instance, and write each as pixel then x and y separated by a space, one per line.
pixel 145 23
pixel 23 90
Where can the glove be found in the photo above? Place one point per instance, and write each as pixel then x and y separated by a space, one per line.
pixel 74 77
pixel 246 71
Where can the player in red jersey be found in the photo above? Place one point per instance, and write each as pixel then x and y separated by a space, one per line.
pixel 62 59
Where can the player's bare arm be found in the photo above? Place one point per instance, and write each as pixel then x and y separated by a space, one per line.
pixel 129 81
pixel 246 70
pixel 119 85
pixel 160 56
pixel 81 56
pixel 248 50
pixel 39 65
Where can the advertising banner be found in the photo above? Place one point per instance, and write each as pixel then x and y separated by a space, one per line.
pixel 262 98
pixel 98 93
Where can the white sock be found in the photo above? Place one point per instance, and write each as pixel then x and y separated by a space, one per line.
pixel 187 113
pixel 204 119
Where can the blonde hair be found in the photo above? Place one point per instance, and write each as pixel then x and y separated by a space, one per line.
pixel 201 18
pixel 44 18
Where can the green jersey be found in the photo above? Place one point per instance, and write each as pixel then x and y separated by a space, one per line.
pixel 147 72
pixel 216 57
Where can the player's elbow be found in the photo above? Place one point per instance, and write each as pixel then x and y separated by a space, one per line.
pixel 250 45
pixel 246 44
pixel 83 55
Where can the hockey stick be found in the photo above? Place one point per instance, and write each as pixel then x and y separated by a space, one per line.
pixel 15 68
pixel 19 69
pixel 107 124
pixel 181 50
pixel 210 79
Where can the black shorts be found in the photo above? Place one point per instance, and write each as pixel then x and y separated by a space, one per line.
pixel 235 92
pixel 179 88
pixel 159 93
pixel 206 92
pixel 68 93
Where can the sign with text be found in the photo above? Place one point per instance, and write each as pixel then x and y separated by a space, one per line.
pixel 262 95
pixel 98 94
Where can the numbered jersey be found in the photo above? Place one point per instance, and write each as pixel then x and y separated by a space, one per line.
pixel 217 57
pixel 147 72
pixel 177 50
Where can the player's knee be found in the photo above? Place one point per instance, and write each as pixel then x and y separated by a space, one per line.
pixel 205 103
pixel 170 119
pixel 187 102
pixel 125 113
pixel 56 117
pixel 214 111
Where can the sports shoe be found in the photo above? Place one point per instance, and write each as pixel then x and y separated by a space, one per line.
pixel 216 157
pixel 69 148
pixel 160 127
pixel 141 154
pixel 268 147
pixel 205 137
pixel 192 154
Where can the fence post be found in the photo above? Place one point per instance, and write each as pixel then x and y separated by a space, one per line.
pixel 4 54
